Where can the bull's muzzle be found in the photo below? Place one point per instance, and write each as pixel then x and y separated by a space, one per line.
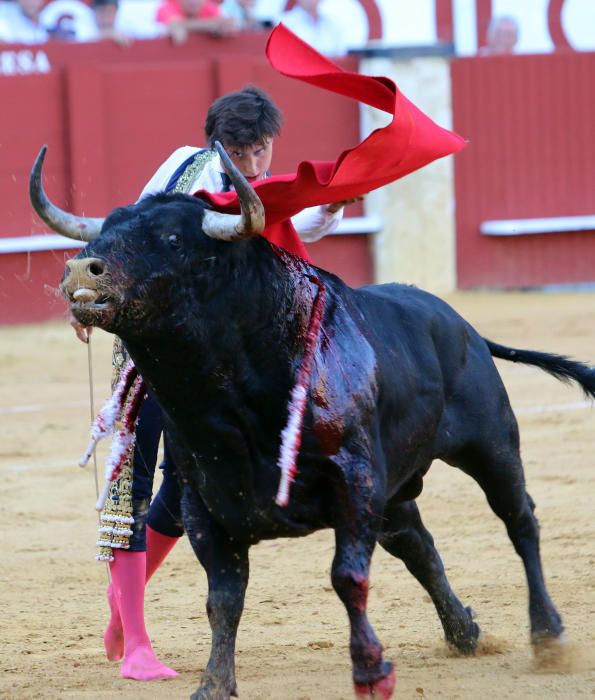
pixel 83 280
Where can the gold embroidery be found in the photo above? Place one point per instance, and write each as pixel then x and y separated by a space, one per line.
pixel 193 170
pixel 116 518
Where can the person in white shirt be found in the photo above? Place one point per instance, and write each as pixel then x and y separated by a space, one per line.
pixel 20 22
pixel 308 20
pixel 250 149
pixel 246 123
pixel 74 20
pixel 69 20
pixel 243 13
pixel 123 22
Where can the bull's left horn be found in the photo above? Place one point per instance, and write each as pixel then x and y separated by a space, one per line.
pixel 230 227
pixel 80 228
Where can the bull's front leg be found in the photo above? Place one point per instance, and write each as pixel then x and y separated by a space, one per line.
pixel 355 537
pixel 226 564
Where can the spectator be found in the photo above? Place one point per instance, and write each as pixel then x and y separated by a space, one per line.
pixel 242 12
pixel 136 18
pixel 20 23
pixel 184 16
pixel 317 29
pixel 69 20
pixel 502 35
pixel 106 20
pixel 73 20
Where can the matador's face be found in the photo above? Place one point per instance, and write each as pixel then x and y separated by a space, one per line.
pixel 252 161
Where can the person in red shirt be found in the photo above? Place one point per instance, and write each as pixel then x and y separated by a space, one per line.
pixel 184 16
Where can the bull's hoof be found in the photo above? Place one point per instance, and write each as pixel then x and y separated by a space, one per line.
pixel 547 644
pixel 548 640
pixel 464 640
pixel 554 654
pixel 381 689
pixel 545 638
pixel 213 691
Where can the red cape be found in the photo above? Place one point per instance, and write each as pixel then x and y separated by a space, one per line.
pixel 409 142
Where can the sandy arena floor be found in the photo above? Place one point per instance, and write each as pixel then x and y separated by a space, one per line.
pixel 293 637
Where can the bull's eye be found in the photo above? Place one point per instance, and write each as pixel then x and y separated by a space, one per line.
pixel 174 241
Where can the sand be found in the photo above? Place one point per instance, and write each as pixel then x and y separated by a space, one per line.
pixel 293 637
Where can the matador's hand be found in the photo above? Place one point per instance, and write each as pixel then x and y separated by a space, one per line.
pixel 82 332
pixel 335 206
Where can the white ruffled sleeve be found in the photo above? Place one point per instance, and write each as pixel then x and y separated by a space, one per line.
pixel 314 223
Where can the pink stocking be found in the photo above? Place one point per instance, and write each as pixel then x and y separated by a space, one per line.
pixel 158 547
pixel 113 637
pixel 128 575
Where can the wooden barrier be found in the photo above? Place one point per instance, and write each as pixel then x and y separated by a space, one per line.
pixel 529 121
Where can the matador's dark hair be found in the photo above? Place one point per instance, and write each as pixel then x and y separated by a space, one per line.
pixel 243 118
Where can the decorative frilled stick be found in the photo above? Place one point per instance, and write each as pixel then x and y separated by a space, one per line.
pixel 129 392
pixel 106 419
pixel 123 441
pixel 291 436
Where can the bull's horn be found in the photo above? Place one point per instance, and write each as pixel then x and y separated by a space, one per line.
pixel 231 227
pixel 80 228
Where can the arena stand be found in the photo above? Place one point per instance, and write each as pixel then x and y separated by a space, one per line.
pixel 525 212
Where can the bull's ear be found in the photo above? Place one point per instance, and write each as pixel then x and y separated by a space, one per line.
pixel 230 227
pixel 78 227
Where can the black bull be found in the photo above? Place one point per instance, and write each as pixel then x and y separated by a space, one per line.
pixel 217 330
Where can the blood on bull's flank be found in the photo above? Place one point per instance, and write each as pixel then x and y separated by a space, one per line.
pixel 400 377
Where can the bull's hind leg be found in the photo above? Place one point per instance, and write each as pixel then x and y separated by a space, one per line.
pixel 500 474
pixel 226 565
pixel 406 538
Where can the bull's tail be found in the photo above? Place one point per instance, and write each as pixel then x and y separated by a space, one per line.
pixel 561 367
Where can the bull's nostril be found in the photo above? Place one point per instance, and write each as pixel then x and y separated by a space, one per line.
pixel 96 268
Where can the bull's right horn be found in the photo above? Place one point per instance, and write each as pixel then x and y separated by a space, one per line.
pixel 81 228
pixel 230 227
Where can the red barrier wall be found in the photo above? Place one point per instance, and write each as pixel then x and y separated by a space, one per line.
pixel 29 286
pixel 111 116
pixel 529 120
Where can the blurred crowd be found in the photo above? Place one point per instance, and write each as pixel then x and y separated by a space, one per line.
pixel 124 21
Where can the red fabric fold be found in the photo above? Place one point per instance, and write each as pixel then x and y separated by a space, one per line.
pixel 409 142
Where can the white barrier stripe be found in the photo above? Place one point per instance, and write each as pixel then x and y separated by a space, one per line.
pixel 358 224
pixel 51 241
pixel 520 227
pixel 37 242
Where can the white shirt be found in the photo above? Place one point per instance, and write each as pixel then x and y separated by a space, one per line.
pixel 17 28
pixel 324 34
pixel 77 21
pixel 70 20
pixel 231 8
pixel 311 224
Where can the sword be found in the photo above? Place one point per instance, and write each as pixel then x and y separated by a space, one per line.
pixel 92 407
